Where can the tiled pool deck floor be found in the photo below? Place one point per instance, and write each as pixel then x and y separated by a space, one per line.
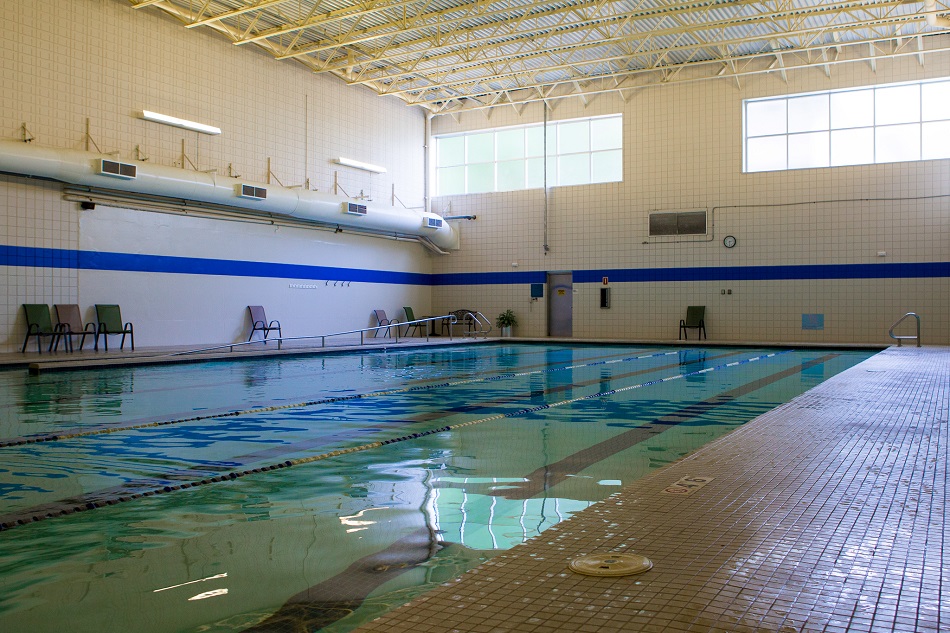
pixel 826 514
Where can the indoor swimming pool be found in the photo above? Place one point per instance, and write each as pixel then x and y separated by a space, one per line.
pixel 317 492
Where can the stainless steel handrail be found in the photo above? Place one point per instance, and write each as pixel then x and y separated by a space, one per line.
pixel 323 337
pixel 890 332
pixel 472 318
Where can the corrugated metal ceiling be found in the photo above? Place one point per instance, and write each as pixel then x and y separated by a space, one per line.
pixel 451 55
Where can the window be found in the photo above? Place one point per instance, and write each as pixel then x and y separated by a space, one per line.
pixel 678 223
pixel 882 124
pixel 579 152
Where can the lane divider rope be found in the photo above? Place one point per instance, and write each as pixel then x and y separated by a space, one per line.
pixel 91 505
pixel 299 405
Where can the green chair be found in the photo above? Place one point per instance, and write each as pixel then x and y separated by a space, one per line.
pixel 693 321
pixel 38 325
pixel 110 322
pixel 421 327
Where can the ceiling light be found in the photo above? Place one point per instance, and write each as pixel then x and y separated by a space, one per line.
pixel 349 162
pixel 148 115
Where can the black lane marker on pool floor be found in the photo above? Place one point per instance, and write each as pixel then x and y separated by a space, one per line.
pixel 337 597
pixel 550 475
pixel 141 488
pixel 221 412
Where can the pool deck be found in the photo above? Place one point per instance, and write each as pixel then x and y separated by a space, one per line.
pixel 825 514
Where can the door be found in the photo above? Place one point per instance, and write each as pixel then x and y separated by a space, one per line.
pixel 560 304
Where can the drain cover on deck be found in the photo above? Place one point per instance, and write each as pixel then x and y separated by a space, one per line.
pixel 611 564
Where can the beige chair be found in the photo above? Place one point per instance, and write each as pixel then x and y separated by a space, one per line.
pixel 69 319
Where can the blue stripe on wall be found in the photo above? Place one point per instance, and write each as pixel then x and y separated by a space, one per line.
pixel 91 260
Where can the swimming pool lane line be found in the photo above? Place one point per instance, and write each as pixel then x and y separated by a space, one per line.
pixel 311 443
pixel 94 501
pixel 54 437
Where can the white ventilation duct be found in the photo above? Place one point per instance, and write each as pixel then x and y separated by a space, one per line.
pixel 933 19
pixel 88 168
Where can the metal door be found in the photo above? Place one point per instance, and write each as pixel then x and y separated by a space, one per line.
pixel 560 304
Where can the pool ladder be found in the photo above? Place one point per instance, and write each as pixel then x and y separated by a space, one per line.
pixel 904 338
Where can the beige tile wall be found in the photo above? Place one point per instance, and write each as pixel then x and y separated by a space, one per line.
pixel 102 61
pixel 683 150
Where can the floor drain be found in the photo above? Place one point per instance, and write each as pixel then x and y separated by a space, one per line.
pixel 611 564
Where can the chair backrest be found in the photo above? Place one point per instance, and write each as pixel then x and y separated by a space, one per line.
pixel 38 314
pixel 257 314
pixel 694 315
pixel 409 315
pixel 68 314
pixel 381 317
pixel 110 316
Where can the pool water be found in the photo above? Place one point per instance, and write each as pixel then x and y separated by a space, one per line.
pixel 314 493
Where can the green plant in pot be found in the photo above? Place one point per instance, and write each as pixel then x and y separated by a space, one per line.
pixel 506 320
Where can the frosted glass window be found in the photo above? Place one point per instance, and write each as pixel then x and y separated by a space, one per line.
pixel 511 175
pixel 767 153
pixel 534 173
pixel 480 148
pixel 935 101
pixel 451 151
pixel 574 169
pixel 451 181
pixel 935 140
pixel 573 137
pixel 854 108
pixel 607 166
pixel 765 117
pixel 882 124
pixel 535 176
pixel 510 144
pixel 512 158
pixel 534 141
pixel 852 147
pixel 606 133
pixel 481 178
pixel 808 150
pixel 894 143
pixel 808 114
pixel 900 104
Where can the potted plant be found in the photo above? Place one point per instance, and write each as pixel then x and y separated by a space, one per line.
pixel 506 320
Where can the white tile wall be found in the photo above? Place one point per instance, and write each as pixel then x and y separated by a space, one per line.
pixel 683 150
pixel 103 62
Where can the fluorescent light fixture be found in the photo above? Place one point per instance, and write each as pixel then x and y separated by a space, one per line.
pixel 148 115
pixel 349 162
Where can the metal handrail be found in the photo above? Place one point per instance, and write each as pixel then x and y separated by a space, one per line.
pixel 323 337
pixel 890 332
pixel 474 318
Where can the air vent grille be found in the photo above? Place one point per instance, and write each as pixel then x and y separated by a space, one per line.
pixel 116 169
pixel 354 209
pixel 252 192
pixel 432 223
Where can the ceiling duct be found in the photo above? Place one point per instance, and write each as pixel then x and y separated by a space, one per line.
pixel 87 168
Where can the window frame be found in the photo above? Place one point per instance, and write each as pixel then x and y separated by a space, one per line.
pixel 528 159
pixel 834 129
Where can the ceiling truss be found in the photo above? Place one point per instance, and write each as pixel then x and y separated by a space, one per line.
pixel 449 56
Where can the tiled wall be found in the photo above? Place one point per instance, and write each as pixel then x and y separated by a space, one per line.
pixel 683 150
pixel 102 61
